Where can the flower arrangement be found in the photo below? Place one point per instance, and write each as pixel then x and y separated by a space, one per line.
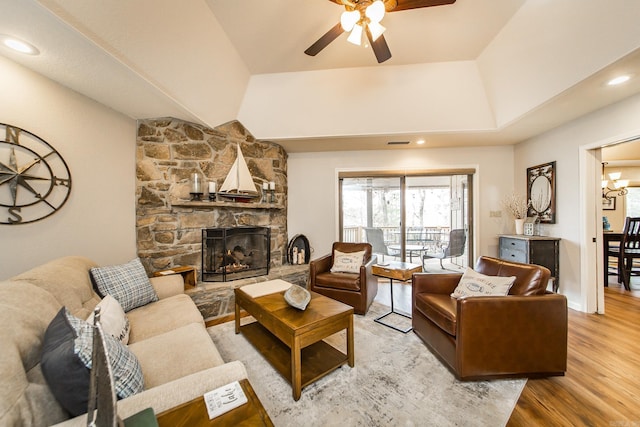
pixel 517 205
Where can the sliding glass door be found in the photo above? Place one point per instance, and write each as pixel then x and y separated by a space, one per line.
pixel 418 218
pixel 370 211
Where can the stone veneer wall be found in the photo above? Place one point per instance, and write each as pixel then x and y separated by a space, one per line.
pixel 168 152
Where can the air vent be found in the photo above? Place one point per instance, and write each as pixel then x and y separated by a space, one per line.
pixel 398 143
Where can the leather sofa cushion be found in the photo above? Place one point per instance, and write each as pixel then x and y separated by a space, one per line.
pixel 440 309
pixel 347 281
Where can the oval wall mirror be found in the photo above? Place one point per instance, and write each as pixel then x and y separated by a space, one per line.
pixel 540 193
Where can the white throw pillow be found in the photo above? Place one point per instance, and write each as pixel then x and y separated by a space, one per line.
pixel 347 262
pixel 114 321
pixel 474 284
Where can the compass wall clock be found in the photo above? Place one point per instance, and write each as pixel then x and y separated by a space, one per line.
pixel 34 178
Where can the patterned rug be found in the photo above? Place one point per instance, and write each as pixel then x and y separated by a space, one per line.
pixel 396 381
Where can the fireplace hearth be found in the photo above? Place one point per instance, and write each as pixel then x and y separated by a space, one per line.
pixel 235 253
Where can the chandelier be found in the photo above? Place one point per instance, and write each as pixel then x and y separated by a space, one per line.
pixel 360 19
pixel 619 185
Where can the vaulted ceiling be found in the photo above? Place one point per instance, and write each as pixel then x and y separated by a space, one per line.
pixel 477 72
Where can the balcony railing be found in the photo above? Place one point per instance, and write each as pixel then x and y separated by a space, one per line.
pixel 415 236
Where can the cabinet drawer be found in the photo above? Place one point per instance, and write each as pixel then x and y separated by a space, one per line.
pixel 513 255
pixel 513 244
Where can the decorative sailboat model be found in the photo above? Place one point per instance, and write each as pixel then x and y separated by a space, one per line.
pixel 238 185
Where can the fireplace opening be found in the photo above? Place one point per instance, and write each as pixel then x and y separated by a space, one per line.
pixel 235 253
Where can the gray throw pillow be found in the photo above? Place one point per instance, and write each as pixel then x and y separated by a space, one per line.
pixel 66 375
pixel 128 283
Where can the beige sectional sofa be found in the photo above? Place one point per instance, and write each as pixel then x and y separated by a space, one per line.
pixel 178 359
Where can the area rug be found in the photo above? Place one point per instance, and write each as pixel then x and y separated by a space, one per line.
pixel 396 381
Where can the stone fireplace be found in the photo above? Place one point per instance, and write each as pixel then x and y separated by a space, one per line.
pixel 169 225
pixel 235 253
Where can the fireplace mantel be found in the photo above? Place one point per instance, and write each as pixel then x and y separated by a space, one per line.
pixel 215 205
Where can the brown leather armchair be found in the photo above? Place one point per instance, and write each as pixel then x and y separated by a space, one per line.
pixel 523 334
pixel 355 289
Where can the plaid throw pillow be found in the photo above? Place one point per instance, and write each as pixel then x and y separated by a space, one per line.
pixel 128 283
pixel 127 373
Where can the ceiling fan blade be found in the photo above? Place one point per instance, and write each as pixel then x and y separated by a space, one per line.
pixel 324 41
pixel 380 47
pixel 416 4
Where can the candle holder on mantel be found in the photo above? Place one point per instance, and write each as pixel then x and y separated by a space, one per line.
pixel 272 192
pixel 196 187
pixel 212 191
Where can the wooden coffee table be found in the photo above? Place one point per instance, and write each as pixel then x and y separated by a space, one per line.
pixel 291 339
pixel 194 413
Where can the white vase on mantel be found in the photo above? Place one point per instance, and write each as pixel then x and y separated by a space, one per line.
pixel 520 225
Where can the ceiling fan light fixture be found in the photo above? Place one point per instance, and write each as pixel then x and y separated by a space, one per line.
pixel 376 30
pixel 356 35
pixel 349 19
pixel 375 11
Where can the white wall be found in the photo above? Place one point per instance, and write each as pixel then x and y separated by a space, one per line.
pixel 313 188
pixel 562 145
pixel 98 145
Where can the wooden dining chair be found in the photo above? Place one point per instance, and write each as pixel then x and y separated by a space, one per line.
pixel 630 250
pixel 612 251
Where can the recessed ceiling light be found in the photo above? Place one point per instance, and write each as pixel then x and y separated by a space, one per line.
pixel 420 141
pixel 618 80
pixel 19 45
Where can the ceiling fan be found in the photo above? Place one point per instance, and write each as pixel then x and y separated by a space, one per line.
pixel 365 16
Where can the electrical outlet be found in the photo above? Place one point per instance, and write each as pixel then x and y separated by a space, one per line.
pixel 495 214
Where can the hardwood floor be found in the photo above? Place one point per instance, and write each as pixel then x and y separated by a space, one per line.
pixel 602 383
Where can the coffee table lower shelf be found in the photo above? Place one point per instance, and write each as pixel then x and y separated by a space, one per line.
pixel 317 359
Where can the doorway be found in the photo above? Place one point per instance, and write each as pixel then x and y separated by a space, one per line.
pixel 591 158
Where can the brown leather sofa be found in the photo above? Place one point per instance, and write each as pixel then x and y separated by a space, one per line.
pixel 523 334
pixel 355 289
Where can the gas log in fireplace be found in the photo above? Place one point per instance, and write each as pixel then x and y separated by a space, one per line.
pixel 235 253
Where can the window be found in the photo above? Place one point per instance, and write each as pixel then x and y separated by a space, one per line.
pixel 633 202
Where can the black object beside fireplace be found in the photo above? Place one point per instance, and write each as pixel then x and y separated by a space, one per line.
pixel 235 253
